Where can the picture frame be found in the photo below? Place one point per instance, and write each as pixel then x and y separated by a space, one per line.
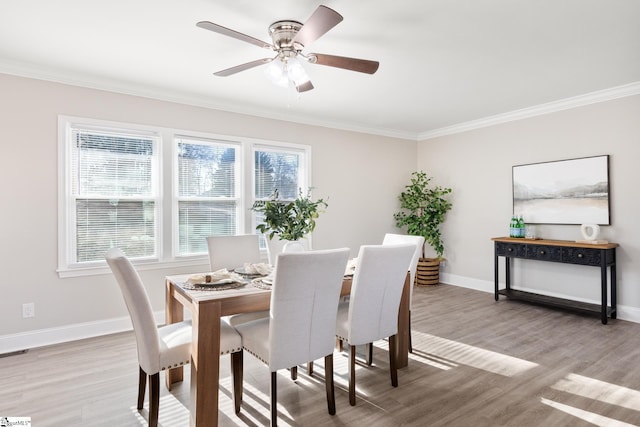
pixel 573 191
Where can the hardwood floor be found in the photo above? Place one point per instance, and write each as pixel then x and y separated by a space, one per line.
pixel 475 363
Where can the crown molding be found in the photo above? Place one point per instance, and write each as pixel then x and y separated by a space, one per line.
pixel 537 110
pixel 161 94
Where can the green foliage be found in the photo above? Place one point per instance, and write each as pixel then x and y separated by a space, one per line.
pixel 289 220
pixel 424 209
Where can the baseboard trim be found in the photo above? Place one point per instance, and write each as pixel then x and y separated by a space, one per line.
pixel 44 337
pixel 631 314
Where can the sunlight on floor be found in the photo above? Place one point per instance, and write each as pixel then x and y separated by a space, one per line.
pixel 172 412
pixel 453 352
pixel 590 417
pixel 428 349
pixel 142 420
pixel 599 390
pixel 255 408
pixel 431 360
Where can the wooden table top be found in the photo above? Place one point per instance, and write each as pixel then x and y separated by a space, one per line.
pixel 548 242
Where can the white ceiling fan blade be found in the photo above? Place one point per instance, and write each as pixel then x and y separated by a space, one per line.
pixel 232 33
pixel 243 67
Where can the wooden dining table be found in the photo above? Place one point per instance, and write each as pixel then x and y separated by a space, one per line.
pixel 207 307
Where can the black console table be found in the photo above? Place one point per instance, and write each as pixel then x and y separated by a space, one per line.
pixel 562 251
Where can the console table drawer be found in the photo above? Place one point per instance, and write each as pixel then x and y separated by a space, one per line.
pixel 583 256
pixel 544 253
pixel 511 249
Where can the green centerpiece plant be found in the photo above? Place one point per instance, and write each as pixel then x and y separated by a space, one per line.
pixel 423 209
pixel 289 220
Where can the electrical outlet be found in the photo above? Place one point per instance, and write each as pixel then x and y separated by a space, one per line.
pixel 28 310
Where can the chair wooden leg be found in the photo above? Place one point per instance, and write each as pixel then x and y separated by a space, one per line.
pixel 392 361
pixel 410 344
pixel 369 356
pixel 142 386
pixel 328 381
pixel 310 368
pixel 294 373
pixel 352 375
pixel 237 372
pixel 154 399
pixel 339 345
pixel 274 399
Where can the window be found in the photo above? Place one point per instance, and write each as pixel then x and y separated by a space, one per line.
pixel 157 193
pixel 278 169
pixel 208 192
pixel 113 194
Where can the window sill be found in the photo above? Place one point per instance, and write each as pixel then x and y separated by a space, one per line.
pixel 102 268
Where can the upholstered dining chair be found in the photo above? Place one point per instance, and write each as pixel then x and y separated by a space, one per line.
pixel 164 347
pixel 372 311
pixel 304 303
pixel 418 241
pixel 233 251
pixel 230 252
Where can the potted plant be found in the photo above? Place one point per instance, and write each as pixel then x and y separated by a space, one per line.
pixel 287 221
pixel 423 210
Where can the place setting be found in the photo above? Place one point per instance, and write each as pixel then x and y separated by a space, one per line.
pixel 260 275
pixel 219 280
pixel 351 267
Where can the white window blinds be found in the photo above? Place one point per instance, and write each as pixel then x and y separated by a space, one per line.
pixel 278 170
pixel 208 192
pixel 114 194
pixel 281 169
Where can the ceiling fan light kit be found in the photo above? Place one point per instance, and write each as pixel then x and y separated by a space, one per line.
pixel 287 71
pixel 289 40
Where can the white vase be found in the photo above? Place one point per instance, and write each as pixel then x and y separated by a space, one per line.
pixel 276 246
pixel 590 231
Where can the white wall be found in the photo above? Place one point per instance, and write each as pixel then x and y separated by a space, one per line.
pixel 477 165
pixel 360 175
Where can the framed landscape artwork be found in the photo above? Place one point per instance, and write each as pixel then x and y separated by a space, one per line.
pixel 572 191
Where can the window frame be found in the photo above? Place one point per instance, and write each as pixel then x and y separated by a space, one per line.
pixel 175 190
pixel 167 197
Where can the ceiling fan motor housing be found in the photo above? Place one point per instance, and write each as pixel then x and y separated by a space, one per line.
pixel 282 33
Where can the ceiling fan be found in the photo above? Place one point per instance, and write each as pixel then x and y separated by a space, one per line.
pixel 289 40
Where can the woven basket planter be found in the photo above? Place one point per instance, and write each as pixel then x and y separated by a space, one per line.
pixel 428 272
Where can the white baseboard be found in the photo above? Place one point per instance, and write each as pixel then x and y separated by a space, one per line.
pixel 631 314
pixel 43 337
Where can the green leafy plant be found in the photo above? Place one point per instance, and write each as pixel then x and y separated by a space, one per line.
pixel 290 220
pixel 423 210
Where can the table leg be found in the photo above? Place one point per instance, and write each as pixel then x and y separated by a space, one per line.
pixel 614 293
pixel 603 290
pixel 402 343
pixel 173 313
pixel 507 272
pixel 495 277
pixel 205 364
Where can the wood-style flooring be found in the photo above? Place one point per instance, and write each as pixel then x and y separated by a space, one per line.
pixel 475 363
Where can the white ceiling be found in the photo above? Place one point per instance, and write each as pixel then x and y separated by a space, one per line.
pixel 442 62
